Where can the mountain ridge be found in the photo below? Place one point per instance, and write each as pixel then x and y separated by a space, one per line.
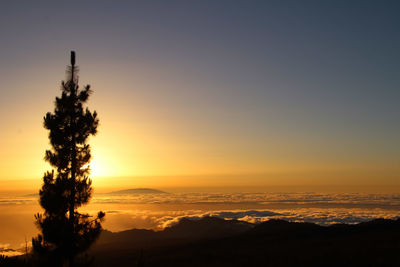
pixel 212 241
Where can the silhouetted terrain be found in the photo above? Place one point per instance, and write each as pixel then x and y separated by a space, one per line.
pixel 216 242
pixel 211 241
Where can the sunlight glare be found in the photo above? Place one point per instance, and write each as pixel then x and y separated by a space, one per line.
pixel 96 168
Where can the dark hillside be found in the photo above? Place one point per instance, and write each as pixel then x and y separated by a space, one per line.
pixel 214 242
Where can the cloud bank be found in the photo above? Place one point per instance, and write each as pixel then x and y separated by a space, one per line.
pixel 154 211
pixel 122 220
pixel 259 198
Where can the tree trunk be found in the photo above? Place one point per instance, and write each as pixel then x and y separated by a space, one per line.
pixel 73 172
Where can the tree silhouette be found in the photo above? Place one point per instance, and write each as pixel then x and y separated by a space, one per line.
pixel 65 232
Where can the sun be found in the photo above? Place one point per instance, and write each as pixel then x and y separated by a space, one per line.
pixel 96 168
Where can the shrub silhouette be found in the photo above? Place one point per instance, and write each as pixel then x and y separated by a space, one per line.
pixel 65 232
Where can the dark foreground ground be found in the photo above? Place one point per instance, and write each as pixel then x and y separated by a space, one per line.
pixel 216 242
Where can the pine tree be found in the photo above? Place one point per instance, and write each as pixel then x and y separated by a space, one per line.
pixel 65 232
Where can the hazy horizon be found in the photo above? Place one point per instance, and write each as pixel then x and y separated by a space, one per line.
pixel 217 183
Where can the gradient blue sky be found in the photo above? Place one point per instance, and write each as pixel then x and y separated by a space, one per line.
pixel 210 87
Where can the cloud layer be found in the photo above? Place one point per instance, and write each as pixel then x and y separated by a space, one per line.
pixel 260 198
pixel 317 208
pixel 121 220
pixel 148 211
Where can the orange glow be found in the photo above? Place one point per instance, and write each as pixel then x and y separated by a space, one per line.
pixel 98 168
pixel 140 136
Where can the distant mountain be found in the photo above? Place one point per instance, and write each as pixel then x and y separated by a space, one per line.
pixel 32 195
pixel 137 191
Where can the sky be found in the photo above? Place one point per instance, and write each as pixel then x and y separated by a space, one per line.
pixel 200 93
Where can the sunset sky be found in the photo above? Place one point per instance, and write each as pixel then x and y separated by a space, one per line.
pixel 218 93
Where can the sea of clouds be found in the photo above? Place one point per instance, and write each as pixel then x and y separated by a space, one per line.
pixel 384 200
pixel 147 219
pixel 158 211
pixel 320 208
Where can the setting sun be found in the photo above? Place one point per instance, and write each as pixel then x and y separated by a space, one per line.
pixel 96 168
